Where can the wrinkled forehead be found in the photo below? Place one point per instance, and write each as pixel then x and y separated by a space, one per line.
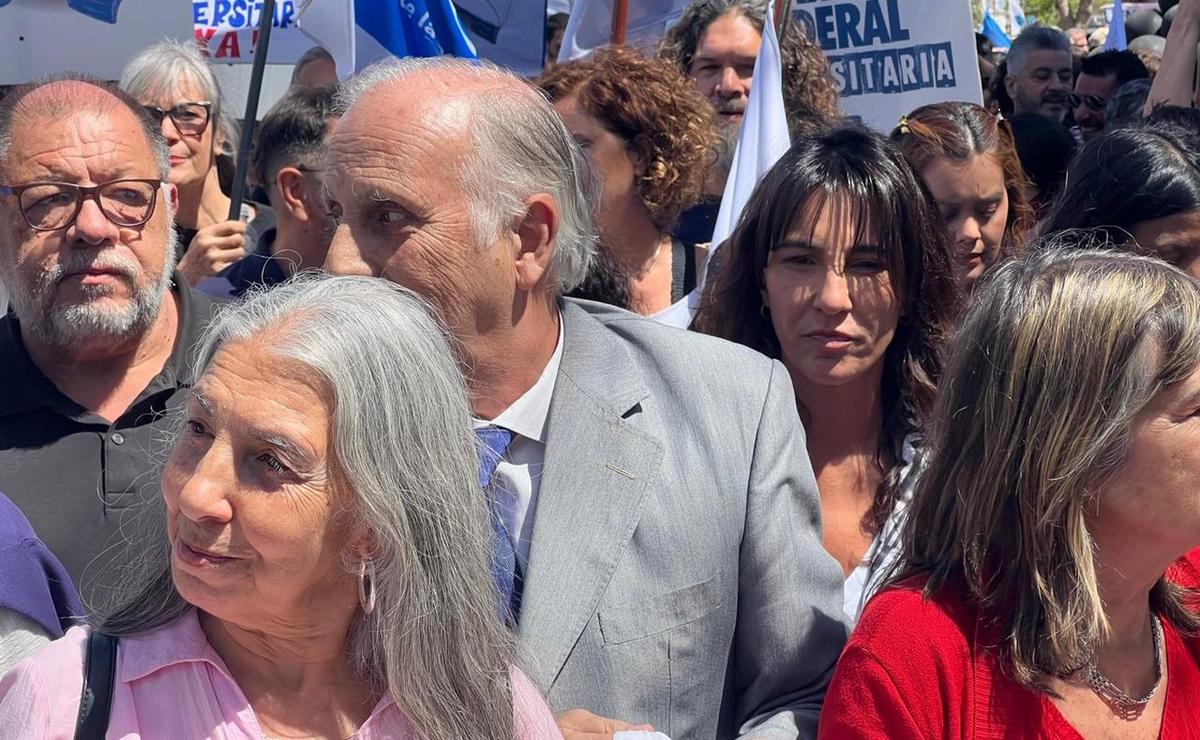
pixel 387 134
pixel 1046 59
pixel 66 144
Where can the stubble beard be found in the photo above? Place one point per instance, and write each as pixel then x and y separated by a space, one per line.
pixel 87 323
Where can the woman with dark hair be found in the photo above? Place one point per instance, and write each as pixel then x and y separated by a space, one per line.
pixel 1046 148
pixel 968 160
pixel 1040 592
pixel 649 135
pixel 839 267
pixel 1140 187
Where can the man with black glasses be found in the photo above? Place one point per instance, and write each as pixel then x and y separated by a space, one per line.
pixel 1100 77
pixel 94 349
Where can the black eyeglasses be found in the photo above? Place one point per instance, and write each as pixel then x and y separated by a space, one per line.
pixel 50 206
pixel 1095 102
pixel 190 119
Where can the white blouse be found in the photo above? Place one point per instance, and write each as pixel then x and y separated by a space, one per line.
pixel 865 580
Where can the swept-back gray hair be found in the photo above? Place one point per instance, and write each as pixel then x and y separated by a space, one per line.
pixel 161 70
pixel 91 96
pixel 1035 38
pixel 519 147
pixel 403 447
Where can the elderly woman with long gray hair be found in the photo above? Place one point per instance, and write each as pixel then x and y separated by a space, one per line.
pixel 1050 542
pixel 326 566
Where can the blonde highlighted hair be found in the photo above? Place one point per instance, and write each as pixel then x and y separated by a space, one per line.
pixel 1052 363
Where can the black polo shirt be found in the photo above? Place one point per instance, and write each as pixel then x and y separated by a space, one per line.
pixel 78 478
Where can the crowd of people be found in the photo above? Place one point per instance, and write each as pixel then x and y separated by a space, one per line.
pixel 425 441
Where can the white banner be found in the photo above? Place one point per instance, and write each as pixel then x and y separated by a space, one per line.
pixel 228 29
pixel 42 37
pixel 889 57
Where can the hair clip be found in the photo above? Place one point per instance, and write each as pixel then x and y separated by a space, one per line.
pixel 904 130
pixel 1000 117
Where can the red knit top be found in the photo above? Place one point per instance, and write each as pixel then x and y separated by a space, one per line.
pixel 916 668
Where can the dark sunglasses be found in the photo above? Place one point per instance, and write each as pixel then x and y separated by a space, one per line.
pixel 1095 102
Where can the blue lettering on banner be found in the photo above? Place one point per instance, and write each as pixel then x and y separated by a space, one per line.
pixel 849 25
pixel 240 14
pixel 894 70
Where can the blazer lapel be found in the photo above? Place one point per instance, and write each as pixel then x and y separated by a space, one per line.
pixel 595 475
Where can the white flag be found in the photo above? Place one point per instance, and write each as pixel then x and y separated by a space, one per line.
pixel 590 25
pixel 762 140
pixel 331 26
pixel 1016 17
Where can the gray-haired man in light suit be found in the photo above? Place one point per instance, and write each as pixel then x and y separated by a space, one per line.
pixel 660 507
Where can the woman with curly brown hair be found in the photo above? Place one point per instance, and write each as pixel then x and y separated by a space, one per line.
pixel 968 160
pixel 649 135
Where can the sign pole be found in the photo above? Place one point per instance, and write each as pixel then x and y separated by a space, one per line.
pixel 265 21
pixel 620 19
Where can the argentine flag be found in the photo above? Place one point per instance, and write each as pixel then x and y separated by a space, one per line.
pixel 994 33
pixel 101 10
pixel 1116 30
pixel 358 32
pixel 1016 16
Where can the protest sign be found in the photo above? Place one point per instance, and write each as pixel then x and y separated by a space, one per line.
pixel 228 29
pixel 891 56
pixel 41 37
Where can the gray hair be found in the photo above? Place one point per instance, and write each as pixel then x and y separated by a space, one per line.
pixel 519 147
pixel 91 96
pixel 161 69
pixel 316 53
pixel 403 447
pixel 1035 38
pixel 1126 105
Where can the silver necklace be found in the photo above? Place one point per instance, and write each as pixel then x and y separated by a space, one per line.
pixel 1123 705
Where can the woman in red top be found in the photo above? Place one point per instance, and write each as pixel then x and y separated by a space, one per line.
pixel 1065 463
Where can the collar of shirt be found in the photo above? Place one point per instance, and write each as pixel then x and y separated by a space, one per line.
pixel 26 388
pixel 260 267
pixel 527 415
pixel 180 641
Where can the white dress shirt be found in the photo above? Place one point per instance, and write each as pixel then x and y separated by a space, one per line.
pixel 518 477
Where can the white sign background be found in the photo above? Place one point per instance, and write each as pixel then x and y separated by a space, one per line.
pixel 41 37
pixel 890 57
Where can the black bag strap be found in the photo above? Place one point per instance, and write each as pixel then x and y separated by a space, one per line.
pixel 99 675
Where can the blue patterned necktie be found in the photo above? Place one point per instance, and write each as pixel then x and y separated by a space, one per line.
pixel 493 443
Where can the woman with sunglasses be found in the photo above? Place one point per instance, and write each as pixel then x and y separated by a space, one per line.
pixel 172 80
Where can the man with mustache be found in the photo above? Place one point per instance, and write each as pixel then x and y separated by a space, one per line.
pixel 94 349
pixel 715 43
pixel 1040 73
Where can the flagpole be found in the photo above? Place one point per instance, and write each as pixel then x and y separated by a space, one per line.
pixel 265 22
pixel 620 19
pixel 783 18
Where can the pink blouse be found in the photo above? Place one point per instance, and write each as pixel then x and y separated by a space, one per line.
pixel 171 683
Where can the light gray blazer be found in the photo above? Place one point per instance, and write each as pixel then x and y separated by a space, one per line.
pixel 676 574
